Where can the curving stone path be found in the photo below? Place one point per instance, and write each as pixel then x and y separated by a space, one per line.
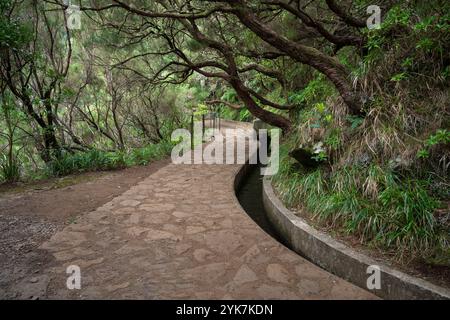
pixel 166 238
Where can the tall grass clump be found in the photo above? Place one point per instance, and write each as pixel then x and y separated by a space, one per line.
pixel 144 155
pixel 10 170
pixel 372 204
pixel 97 160
pixel 92 160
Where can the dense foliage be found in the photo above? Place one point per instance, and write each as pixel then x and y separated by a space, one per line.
pixel 369 105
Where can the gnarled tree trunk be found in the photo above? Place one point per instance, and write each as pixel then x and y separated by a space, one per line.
pixel 329 66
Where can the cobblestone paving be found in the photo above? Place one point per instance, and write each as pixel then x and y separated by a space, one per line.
pixel 181 234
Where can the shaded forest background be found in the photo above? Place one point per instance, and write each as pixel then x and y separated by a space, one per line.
pixel 364 112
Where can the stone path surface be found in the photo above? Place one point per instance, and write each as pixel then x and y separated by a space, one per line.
pixel 181 234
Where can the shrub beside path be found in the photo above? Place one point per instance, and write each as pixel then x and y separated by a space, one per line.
pixel 181 234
